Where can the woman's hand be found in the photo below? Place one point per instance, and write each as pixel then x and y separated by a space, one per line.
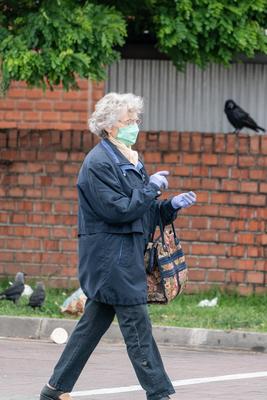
pixel 184 200
pixel 159 179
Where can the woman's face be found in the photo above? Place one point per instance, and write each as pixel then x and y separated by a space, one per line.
pixel 126 118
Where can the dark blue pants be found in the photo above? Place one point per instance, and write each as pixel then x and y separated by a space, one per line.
pixel 136 329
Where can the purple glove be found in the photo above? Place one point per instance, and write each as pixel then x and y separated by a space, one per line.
pixel 159 179
pixel 184 200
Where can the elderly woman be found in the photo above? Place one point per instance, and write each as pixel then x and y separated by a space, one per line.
pixel 118 210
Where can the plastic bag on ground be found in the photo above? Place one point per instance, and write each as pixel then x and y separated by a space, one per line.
pixel 208 303
pixel 75 303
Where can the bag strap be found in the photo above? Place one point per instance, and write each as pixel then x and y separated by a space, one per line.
pixel 176 240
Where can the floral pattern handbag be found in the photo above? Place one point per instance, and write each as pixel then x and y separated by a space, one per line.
pixel 166 269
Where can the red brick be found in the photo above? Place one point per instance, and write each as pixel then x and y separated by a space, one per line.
pixel 253 225
pixel 25 205
pixel 31 116
pixel 258 174
pixel 181 170
pixel 7 104
pixel 219 172
pixel 245 290
pixel 190 184
pixel 236 276
pixel 200 249
pixel 71 169
pixel 8 124
pixel 220 143
pixel 60 232
pixel 196 275
pixel 51 245
pixel 51 116
pixel 208 236
pixel 255 277
pixel 171 157
pixel 207 262
pixel 237 225
pixel 16 93
pixel 264 144
pixel 249 187
pixel 262 239
pixel 209 183
pixel 245 238
pixel 219 223
pixel 191 158
pixel 67 245
pixel 35 219
pixel 40 232
pixel 52 193
pixel 69 193
pixel 6 256
pixel 62 156
pixel 230 185
pixel 219 198
pixel 209 159
pixel 69 116
pixel 44 105
pixel 253 251
pixel 24 105
pixel 200 222
pixel 218 249
pixel 257 200
pixel 226 263
pixel 262 161
pixel 225 237
pixel 238 198
pixel 12 115
pixel 241 173
pixel 22 231
pixel 245 264
pixel 16 192
pixel 25 180
pixel 216 276
pixel 263 187
pixel 18 218
pixel 227 159
pixel 32 244
pixel 254 144
pixel 246 161
pixel 35 193
pixel 208 142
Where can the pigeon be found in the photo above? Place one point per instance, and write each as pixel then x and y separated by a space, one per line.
pixel 14 292
pixel 239 118
pixel 37 298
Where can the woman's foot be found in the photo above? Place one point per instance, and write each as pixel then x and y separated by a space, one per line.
pixel 50 393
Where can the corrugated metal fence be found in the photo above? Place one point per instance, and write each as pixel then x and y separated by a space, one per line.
pixel 193 100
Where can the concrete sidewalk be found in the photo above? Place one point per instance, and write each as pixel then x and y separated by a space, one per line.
pixel 41 328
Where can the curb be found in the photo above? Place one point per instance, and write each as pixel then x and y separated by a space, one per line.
pixel 41 328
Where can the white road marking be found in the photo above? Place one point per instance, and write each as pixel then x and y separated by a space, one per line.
pixel 183 382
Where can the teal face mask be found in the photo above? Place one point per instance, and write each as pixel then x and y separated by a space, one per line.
pixel 128 134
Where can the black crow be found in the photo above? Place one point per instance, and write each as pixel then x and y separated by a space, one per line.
pixel 14 292
pixel 37 298
pixel 239 118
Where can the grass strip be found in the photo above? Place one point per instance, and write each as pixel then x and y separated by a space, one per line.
pixel 232 312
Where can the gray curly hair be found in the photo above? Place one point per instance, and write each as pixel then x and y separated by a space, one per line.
pixel 109 109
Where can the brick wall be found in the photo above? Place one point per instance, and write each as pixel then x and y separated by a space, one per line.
pixel 224 235
pixel 26 108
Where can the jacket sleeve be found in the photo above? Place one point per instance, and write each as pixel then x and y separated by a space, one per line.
pixel 167 213
pixel 110 203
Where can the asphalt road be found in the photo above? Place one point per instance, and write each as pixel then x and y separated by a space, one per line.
pixel 25 365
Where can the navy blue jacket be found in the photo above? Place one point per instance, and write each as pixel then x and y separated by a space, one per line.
pixel 118 209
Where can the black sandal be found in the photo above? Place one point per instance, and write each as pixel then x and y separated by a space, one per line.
pixel 48 393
